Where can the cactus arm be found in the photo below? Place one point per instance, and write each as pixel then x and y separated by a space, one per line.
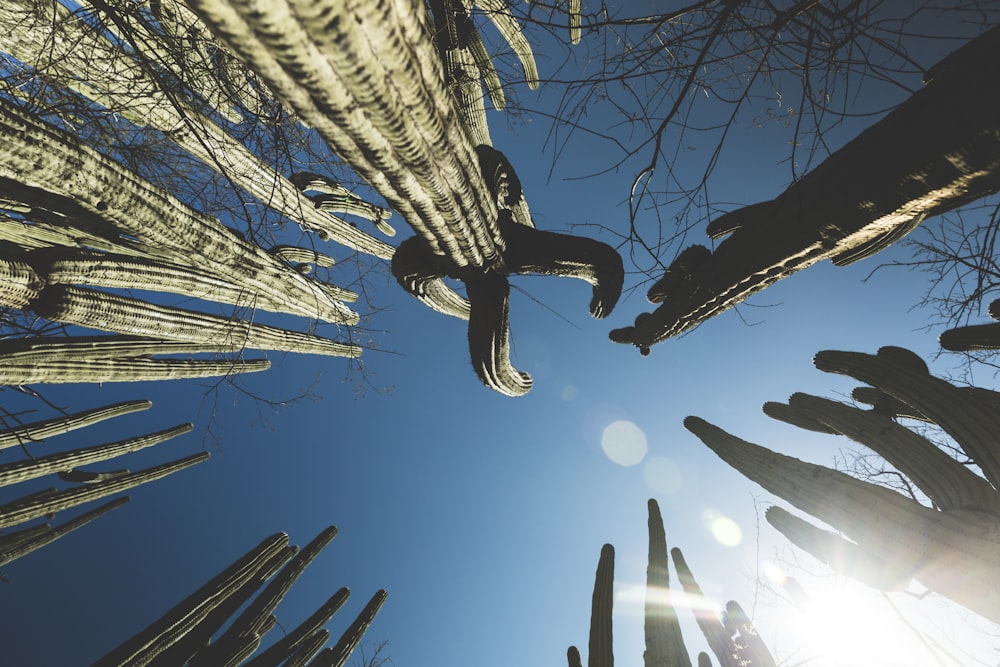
pixel 785 413
pixel 844 557
pixel 601 650
pixel 972 421
pixel 574 21
pixel 489 334
pixel 752 650
pixel 573 657
pixel 421 273
pixel 309 649
pixel 51 427
pixel 12 552
pixel 499 13
pixel 169 628
pixel 19 284
pixel 254 618
pixel 884 404
pixel 910 537
pixel 22 471
pixel 711 626
pixel 126 315
pixel 338 655
pixel 25 509
pixel 948 483
pixel 905 168
pixel 290 643
pixel 664 640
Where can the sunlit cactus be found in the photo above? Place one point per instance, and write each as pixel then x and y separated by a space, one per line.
pixel 949 542
pixel 734 642
pixel 183 636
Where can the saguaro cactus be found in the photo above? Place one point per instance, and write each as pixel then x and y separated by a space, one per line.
pixel 735 643
pixel 951 546
pixel 937 151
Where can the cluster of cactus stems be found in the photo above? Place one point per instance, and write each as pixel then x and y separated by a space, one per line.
pixel 887 539
pixel 975 337
pixel 71 466
pixel 195 631
pixel 732 637
pixel 937 151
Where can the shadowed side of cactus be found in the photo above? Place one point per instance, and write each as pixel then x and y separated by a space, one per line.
pixel 951 547
pixel 734 643
pixel 974 337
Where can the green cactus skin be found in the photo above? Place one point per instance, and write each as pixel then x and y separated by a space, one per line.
pixel 21 471
pixel 338 655
pixel 40 430
pixel 31 507
pixel 664 641
pixel 145 646
pixel 11 552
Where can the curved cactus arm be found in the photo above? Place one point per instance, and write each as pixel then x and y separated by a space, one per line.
pixel 973 420
pixel 842 556
pixel 910 537
pixel 64 424
pixel 711 626
pixel 10 553
pixel 338 655
pixel 70 54
pixel 489 334
pixel 499 13
pixel 22 471
pixel 32 507
pixel 126 315
pixel 288 645
pixel 169 628
pixel 254 618
pixel 905 168
pixel 326 59
pixel 664 640
pixel 947 482
pixel 335 198
pixel 547 253
pixel 421 273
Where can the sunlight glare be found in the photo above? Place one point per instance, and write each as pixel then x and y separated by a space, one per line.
pixel 723 529
pixel 662 474
pixel 624 443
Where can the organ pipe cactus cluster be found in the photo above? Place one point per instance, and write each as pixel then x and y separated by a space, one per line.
pixel 938 150
pixel 70 466
pixel 949 544
pixel 183 636
pixel 734 641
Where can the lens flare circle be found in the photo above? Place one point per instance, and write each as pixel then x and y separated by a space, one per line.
pixel 624 443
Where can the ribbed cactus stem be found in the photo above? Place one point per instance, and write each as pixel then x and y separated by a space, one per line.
pixel 973 420
pixel 910 537
pixel 290 643
pixel 129 316
pixel 22 471
pixel 947 482
pixel 338 655
pixel 309 649
pixel 711 626
pixel 574 21
pixel 884 404
pixel 256 615
pixel 26 509
pixel 601 649
pixel 294 254
pixel 845 557
pixel 19 284
pixel 499 13
pixel 48 428
pixel 664 641
pixel 145 646
pixel 23 548
pixel 71 51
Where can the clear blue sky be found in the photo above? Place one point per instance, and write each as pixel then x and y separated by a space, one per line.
pixel 483 516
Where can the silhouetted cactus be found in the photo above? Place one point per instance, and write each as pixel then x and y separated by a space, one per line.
pixel 975 337
pixel 735 643
pixel 950 547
